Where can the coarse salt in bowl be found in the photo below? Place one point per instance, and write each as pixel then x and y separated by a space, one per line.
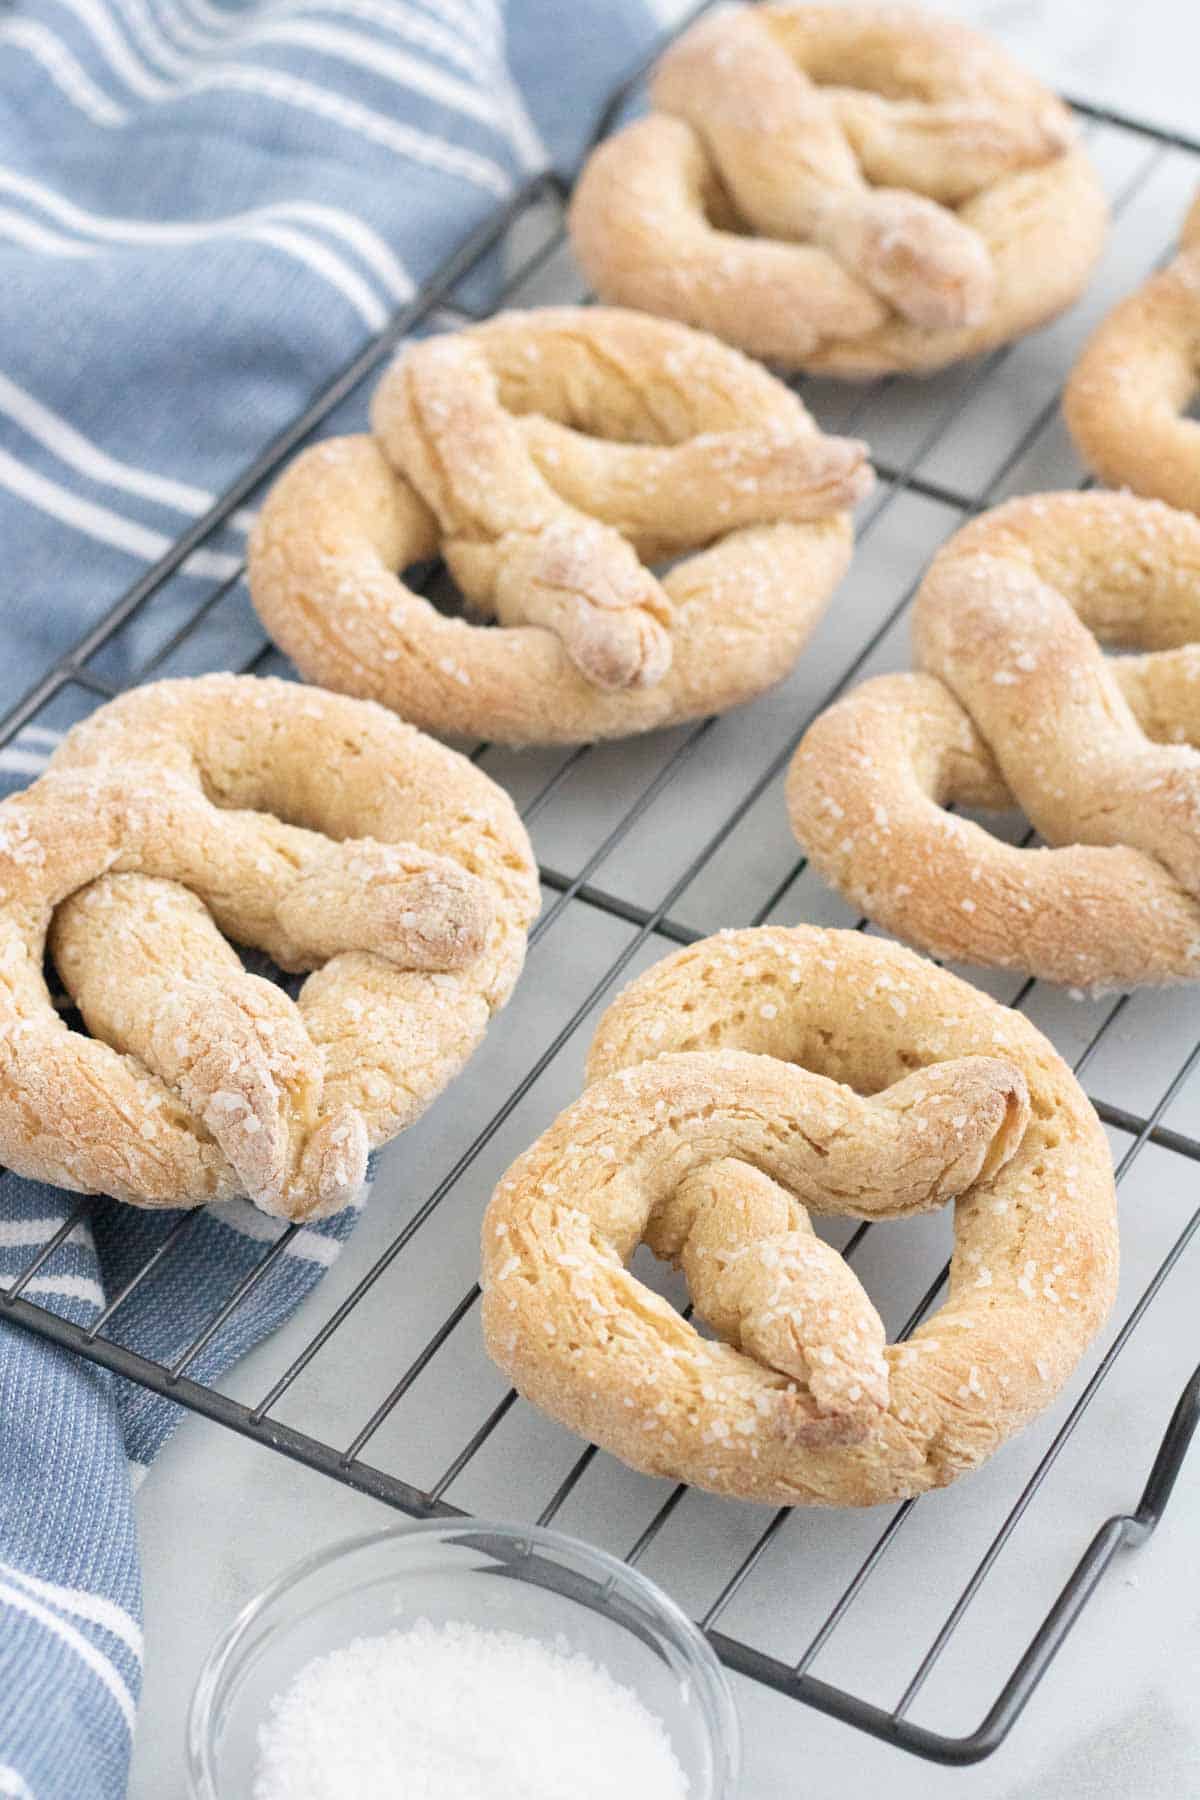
pixel 363 1660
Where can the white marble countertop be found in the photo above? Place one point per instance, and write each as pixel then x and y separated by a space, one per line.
pixel 1117 1716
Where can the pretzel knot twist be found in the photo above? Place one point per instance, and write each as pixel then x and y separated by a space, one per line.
pixel 319 830
pixel 734 1088
pixel 550 456
pixel 843 189
pixel 1020 706
pixel 1127 395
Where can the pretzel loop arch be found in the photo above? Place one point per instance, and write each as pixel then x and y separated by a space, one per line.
pixel 1019 706
pixel 553 455
pixel 319 830
pixel 849 190
pixel 732 1088
pixel 1126 400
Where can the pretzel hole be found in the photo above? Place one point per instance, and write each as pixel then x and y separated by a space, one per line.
pixel 741 1289
pixel 253 962
pixel 148 973
pixel 663 1276
pixel 435 583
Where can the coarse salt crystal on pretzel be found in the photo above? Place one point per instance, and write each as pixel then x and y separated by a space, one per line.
pixel 1019 706
pixel 713 1121
pixel 1126 401
pixel 849 190
pixel 318 829
pixel 551 456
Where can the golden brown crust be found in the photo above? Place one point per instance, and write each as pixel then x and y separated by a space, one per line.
pixel 703 1130
pixel 545 453
pixel 847 190
pixel 1126 398
pixel 318 829
pixel 1020 707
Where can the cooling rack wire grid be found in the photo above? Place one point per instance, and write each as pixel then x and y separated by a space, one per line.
pixel 880 1618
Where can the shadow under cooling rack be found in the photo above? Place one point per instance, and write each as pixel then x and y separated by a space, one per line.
pixel 652 844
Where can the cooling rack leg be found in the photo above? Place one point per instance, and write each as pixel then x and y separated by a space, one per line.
pixel 1176 1442
pixel 1123 1531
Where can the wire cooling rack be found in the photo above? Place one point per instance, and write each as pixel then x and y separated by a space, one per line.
pixel 381 1380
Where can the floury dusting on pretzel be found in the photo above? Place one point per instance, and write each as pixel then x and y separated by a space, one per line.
pixel 1018 706
pixel 738 1086
pixel 849 190
pixel 1127 399
pixel 552 457
pixel 320 830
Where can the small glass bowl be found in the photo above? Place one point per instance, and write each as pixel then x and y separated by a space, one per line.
pixel 503 1577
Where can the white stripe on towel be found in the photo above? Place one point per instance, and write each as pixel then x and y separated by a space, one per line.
pixel 86 1651
pixel 391 16
pixel 367 244
pixel 66 1287
pixel 63 70
pixel 395 65
pixel 326 263
pixel 407 24
pixel 527 140
pixel 92 1607
pixel 421 77
pixel 392 134
pixel 16 1234
pixel 14 761
pixel 12 1785
pixel 309 1246
pixel 106 526
pixel 70 446
pixel 152 40
pixel 95 18
pixel 471 17
pixel 37 237
pixel 466 20
pixel 321 261
pixel 291 90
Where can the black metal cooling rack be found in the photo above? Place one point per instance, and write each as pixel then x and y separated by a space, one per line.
pixel 80 678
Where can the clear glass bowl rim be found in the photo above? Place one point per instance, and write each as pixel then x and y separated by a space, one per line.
pixel 716 1703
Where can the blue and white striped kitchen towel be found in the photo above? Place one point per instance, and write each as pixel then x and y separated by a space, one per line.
pixel 204 211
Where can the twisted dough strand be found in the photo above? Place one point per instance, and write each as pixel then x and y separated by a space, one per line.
pixel 407 892
pixel 552 450
pixel 791 174
pixel 926 102
pixel 153 977
pixel 517 550
pixel 760 1276
pixel 1020 706
pixel 849 190
pixel 733 1087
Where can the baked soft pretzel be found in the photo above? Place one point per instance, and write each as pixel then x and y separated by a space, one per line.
pixel 1020 707
pixel 317 829
pixel 733 1088
pixel 1127 396
pixel 550 455
pixel 849 189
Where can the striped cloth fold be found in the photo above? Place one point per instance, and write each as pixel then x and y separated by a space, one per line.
pixel 205 211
